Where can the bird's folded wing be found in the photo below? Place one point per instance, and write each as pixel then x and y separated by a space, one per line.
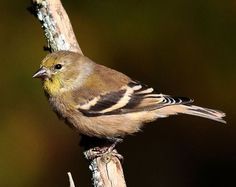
pixel 134 97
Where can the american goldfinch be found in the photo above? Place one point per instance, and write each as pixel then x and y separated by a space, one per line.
pixel 102 102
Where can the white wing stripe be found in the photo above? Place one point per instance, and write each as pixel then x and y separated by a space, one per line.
pixel 149 90
pixel 122 102
pixel 154 95
pixel 138 87
pixel 88 105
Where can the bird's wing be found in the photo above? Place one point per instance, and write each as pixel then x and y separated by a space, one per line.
pixel 134 97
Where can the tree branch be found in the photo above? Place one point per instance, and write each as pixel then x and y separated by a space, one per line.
pixel 106 168
pixel 56 25
pixel 72 184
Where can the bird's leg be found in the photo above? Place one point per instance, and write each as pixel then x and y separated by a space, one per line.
pixel 114 141
pixel 105 152
pixel 108 150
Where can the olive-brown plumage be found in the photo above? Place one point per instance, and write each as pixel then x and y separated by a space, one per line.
pixel 101 102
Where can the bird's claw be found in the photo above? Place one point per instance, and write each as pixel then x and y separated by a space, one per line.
pixel 106 152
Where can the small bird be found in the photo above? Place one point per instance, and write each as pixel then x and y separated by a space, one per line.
pixel 102 102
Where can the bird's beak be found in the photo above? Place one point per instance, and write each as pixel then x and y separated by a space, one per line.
pixel 41 73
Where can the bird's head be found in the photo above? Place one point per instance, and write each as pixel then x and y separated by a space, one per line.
pixel 59 70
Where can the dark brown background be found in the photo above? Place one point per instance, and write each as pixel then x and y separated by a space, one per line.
pixel 182 47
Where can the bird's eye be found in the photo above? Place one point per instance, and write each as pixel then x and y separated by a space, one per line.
pixel 58 66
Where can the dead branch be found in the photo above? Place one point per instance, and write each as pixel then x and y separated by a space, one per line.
pixel 56 25
pixel 106 168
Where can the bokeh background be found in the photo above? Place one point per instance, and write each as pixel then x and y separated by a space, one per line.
pixel 182 47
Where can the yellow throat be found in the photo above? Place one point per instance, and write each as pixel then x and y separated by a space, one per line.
pixel 52 86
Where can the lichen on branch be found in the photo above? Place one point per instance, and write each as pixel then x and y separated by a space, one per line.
pixel 56 25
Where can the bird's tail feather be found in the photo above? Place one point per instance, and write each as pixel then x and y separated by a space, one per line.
pixel 192 110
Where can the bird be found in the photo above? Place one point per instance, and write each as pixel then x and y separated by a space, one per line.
pixel 101 102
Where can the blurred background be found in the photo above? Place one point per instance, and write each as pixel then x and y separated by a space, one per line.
pixel 185 48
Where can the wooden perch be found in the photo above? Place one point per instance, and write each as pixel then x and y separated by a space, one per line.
pixel 106 168
pixel 56 25
pixel 72 184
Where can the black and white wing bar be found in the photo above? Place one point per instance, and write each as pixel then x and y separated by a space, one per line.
pixel 133 97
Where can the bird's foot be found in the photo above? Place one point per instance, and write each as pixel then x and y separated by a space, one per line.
pixel 106 152
pixel 114 140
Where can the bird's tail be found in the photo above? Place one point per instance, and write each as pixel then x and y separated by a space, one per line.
pixel 192 110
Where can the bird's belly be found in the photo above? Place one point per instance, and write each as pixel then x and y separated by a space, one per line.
pixel 101 126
